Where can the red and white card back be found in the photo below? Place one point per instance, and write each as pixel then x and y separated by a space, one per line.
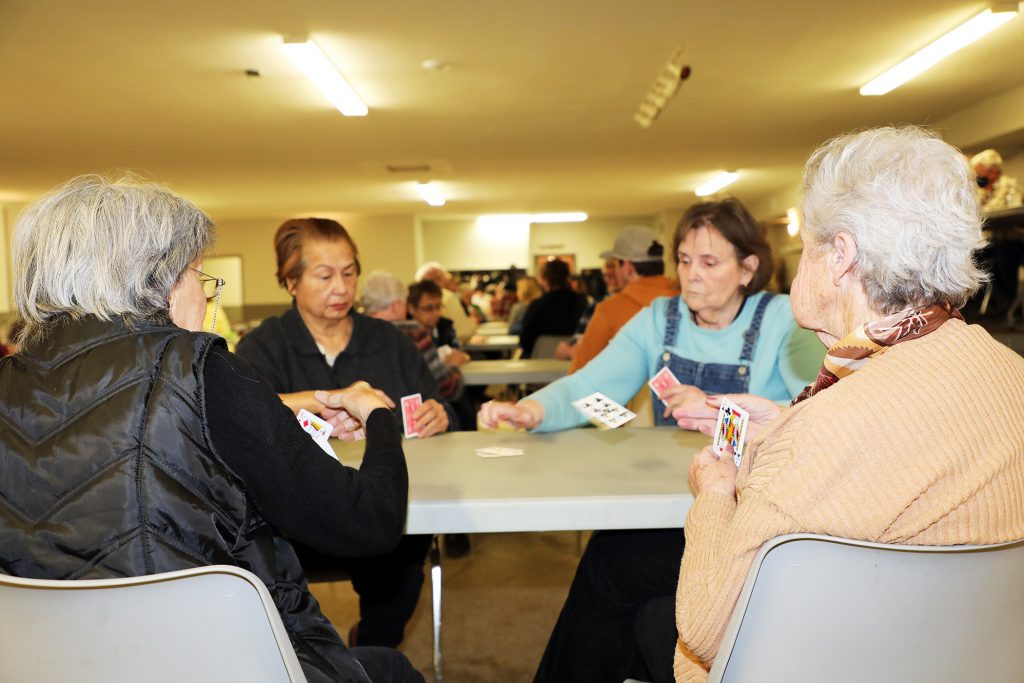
pixel 410 404
pixel 662 381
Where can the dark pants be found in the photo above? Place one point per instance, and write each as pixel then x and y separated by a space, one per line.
pixel 389 588
pixel 381 664
pixel 595 637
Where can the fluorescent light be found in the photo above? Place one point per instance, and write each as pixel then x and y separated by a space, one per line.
pixel 431 193
pixel 719 182
pixel 314 63
pixel 516 218
pixel 924 59
pixel 568 217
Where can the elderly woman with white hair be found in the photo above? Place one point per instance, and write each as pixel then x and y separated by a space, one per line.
pixel 911 432
pixel 133 443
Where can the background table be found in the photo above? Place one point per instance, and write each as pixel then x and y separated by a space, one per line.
pixel 497 342
pixel 529 371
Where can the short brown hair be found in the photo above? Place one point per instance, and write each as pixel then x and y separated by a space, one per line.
pixel 732 220
pixel 556 273
pixel 418 290
pixel 292 237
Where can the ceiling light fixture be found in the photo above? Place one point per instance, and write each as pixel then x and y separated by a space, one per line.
pixel 664 89
pixel 517 218
pixel 431 193
pixel 960 37
pixel 719 182
pixel 792 222
pixel 314 63
pixel 567 217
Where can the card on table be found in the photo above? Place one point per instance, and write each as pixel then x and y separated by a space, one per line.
pixel 410 404
pixel 603 411
pixel 662 381
pixel 318 428
pixel 498 452
pixel 731 430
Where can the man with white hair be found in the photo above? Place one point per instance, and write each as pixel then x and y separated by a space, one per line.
pixel 996 191
pixel 451 306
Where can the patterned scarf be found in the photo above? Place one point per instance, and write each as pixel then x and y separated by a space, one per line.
pixel 872 339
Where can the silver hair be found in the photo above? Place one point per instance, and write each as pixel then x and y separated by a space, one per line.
pixel 380 290
pixel 429 268
pixel 908 200
pixel 111 248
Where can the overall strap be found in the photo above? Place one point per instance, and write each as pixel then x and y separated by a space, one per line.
pixel 672 322
pixel 752 333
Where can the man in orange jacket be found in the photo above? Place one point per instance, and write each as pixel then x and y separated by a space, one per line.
pixel 639 255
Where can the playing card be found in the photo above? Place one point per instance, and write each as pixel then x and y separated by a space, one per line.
pixel 410 404
pixel 603 411
pixel 498 452
pixel 318 428
pixel 662 381
pixel 314 424
pixel 731 430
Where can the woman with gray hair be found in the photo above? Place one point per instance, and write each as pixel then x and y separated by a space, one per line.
pixel 135 444
pixel 911 433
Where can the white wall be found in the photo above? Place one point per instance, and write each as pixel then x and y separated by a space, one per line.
pixel 585 240
pixel 460 244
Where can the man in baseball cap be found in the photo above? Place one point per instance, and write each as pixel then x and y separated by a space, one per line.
pixel 640 259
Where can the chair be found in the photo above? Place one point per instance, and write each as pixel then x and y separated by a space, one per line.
pixel 202 625
pixel 546 344
pixel 818 608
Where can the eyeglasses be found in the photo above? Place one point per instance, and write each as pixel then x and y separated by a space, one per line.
pixel 212 287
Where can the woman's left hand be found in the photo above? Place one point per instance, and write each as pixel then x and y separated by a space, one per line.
pixel 431 419
pixel 713 474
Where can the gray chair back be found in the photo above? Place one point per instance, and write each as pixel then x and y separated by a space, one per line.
pixel 546 344
pixel 818 608
pixel 203 625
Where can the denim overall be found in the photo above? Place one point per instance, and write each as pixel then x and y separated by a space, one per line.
pixel 711 378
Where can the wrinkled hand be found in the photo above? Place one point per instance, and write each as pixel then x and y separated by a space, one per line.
pixel 687 405
pixel 711 474
pixel 430 419
pixel 762 411
pixel 522 415
pixel 347 409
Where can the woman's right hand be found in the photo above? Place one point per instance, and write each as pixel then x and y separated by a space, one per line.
pixel 348 409
pixel 762 411
pixel 525 414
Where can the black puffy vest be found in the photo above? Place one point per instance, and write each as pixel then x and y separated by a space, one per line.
pixel 107 470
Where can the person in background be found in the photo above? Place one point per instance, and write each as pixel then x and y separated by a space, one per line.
pixel 451 305
pixel 556 312
pixel 168 451
pixel 996 192
pixel 528 289
pixel 910 434
pixel 424 306
pixel 612 285
pixel 504 299
pixel 723 333
pixel 466 293
pixel 639 258
pixel 322 343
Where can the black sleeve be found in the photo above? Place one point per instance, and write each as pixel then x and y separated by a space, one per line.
pixel 257 349
pixel 299 489
pixel 531 327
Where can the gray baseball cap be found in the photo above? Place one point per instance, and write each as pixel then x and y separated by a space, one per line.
pixel 637 244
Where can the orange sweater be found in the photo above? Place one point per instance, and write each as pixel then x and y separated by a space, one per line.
pixel 924 445
pixel 614 312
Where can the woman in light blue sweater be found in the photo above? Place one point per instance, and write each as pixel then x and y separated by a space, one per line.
pixel 723 334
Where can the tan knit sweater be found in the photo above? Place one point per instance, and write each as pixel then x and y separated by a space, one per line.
pixel 923 445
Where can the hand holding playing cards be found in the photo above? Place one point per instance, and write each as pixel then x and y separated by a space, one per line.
pixel 712 474
pixel 761 410
pixel 430 419
pixel 347 409
pixel 522 415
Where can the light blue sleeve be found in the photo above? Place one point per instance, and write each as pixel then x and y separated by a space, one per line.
pixel 800 359
pixel 618 372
